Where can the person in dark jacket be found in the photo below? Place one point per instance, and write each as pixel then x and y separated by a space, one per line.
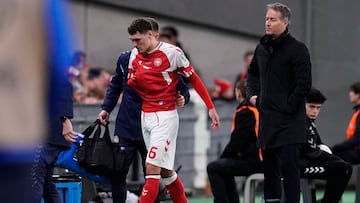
pixel 349 150
pixel 240 156
pixel 278 79
pixel 317 160
pixel 60 107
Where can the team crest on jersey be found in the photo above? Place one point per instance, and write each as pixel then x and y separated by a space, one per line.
pixel 157 62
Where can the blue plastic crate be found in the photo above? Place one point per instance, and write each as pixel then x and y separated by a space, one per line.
pixel 70 192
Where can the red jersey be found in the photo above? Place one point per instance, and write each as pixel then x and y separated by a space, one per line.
pixel 154 75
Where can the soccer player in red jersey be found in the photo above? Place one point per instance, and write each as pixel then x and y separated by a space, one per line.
pixel 154 71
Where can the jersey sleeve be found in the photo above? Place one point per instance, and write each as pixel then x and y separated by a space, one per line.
pixel 183 64
pixel 200 88
pixel 131 69
pixel 185 69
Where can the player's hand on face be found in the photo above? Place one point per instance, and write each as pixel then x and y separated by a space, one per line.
pixel 103 117
pixel 215 120
pixel 180 99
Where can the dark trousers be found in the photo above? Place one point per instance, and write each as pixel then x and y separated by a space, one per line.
pixel 281 163
pixel 15 176
pixel 221 175
pixel 15 182
pixel 118 184
pixel 347 152
pixel 41 175
pixel 331 168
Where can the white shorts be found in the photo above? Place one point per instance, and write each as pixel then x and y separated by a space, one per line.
pixel 160 130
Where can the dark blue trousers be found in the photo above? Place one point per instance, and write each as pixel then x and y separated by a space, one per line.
pixel 130 148
pixel 15 182
pixel 41 175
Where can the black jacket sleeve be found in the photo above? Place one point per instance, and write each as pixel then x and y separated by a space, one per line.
pixel 117 83
pixel 318 140
pixel 184 91
pixel 309 149
pixel 253 78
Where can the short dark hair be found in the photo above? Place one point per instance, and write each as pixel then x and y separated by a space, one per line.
pixel 142 25
pixel 315 96
pixel 95 72
pixel 154 24
pixel 355 87
pixel 241 85
pixel 172 30
pixel 282 8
